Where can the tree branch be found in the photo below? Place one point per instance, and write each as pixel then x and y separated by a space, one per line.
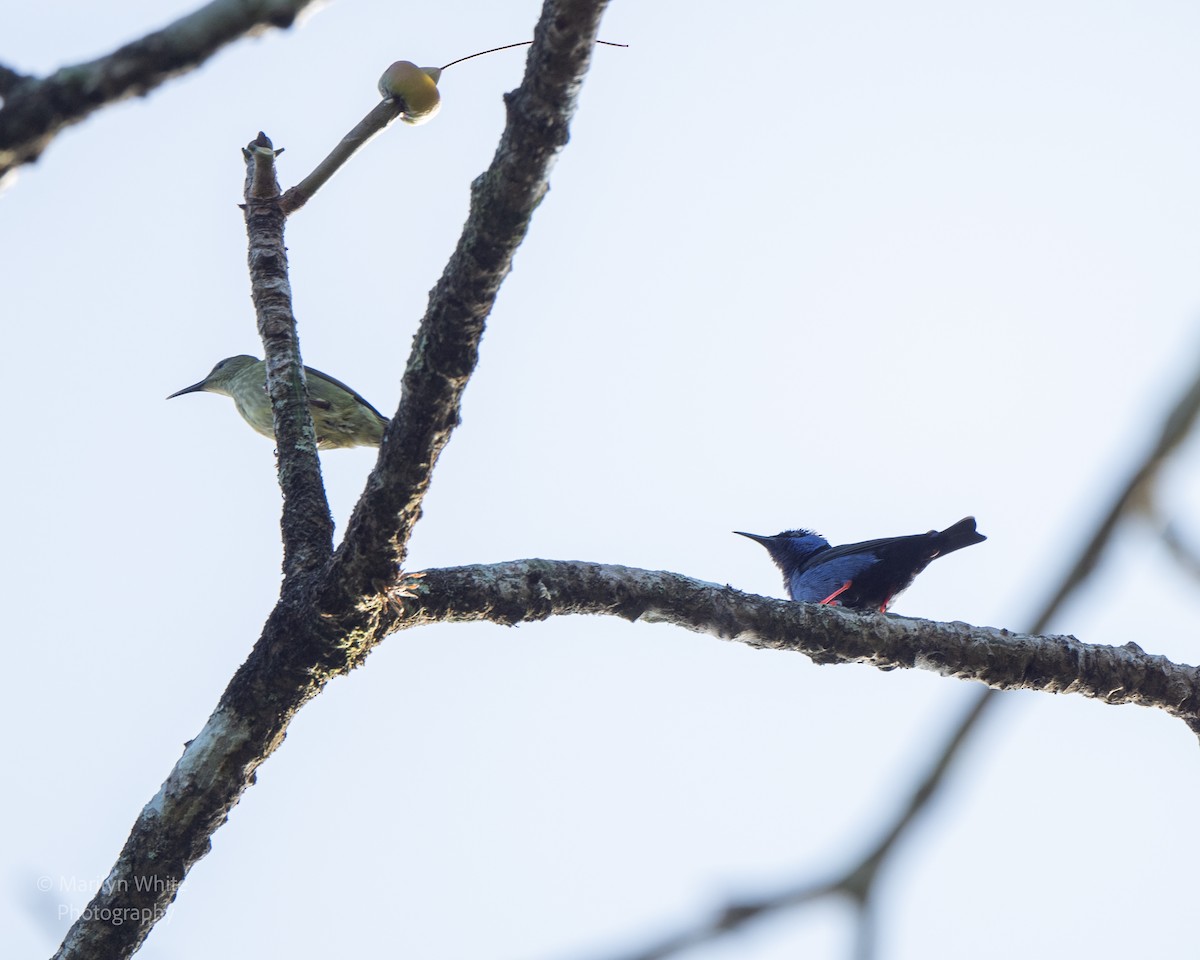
pixel 307 525
pixel 36 110
pixel 527 590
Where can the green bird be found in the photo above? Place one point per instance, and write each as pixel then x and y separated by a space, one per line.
pixel 342 417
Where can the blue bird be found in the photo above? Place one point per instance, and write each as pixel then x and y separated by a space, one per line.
pixel 864 576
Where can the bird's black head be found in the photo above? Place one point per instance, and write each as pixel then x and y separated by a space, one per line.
pixel 791 548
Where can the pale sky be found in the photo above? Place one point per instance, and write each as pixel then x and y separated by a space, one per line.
pixel 865 268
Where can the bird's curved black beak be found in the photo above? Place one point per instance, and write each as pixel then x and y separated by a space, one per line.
pixel 755 536
pixel 194 388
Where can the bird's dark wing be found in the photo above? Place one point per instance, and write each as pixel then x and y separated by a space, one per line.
pixel 884 546
pixel 827 574
pixel 919 546
pixel 312 372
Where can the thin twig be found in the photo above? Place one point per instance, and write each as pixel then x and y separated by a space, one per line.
pixel 377 120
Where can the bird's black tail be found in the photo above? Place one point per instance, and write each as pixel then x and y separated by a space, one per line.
pixel 962 534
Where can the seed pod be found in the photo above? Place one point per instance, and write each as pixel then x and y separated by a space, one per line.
pixel 415 87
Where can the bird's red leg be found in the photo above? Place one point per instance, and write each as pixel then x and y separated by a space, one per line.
pixel 883 606
pixel 837 593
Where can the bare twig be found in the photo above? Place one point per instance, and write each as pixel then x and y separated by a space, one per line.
pixel 37 110
pixel 377 120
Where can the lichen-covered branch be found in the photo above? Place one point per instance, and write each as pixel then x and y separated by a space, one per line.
pixel 525 590
pixel 446 346
pixel 307 525
pixel 37 109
